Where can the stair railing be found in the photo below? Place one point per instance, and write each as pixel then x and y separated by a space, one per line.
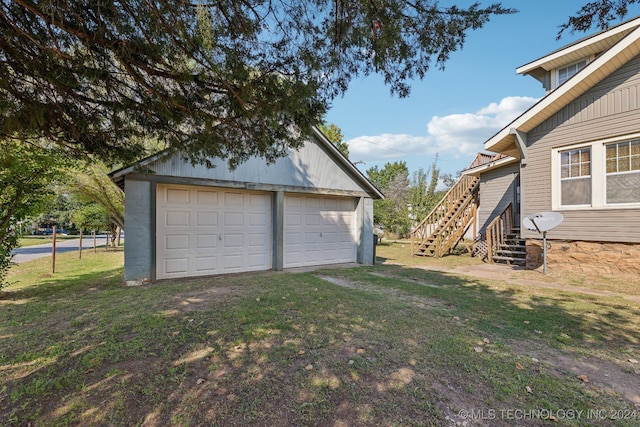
pixel 497 231
pixel 437 218
pixel 454 230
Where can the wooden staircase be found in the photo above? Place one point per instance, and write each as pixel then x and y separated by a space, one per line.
pixel 442 230
pixel 504 244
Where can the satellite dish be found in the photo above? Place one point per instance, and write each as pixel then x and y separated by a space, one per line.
pixel 543 221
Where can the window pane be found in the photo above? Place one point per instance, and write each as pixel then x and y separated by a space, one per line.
pixel 612 166
pixel 585 169
pixel 623 188
pixel 574 170
pixel 635 147
pixel 564 158
pixel 623 149
pixel 585 156
pixel 564 171
pixel 612 151
pixel 635 163
pixel 623 164
pixel 575 192
pixel 575 157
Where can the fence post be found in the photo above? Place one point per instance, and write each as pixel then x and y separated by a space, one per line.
pixel 53 251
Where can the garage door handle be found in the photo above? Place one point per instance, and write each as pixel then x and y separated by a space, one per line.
pixel 320 234
pixel 220 236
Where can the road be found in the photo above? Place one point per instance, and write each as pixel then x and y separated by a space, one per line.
pixel 38 251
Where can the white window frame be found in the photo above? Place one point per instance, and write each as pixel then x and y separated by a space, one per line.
pixel 598 176
pixel 556 74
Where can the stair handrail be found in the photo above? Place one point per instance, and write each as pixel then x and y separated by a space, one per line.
pixel 497 231
pixel 453 231
pixel 430 223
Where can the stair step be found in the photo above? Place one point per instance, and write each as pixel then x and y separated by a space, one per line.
pixel 510 260
pixel 513 247
pixel 511 253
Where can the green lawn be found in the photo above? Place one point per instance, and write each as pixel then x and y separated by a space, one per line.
pixel 378 345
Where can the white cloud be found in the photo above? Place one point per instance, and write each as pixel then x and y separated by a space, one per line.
pixel 455 135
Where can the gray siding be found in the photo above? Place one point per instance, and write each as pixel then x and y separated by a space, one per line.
pixel 138 229
pixel 610 109
pixel 497 190
pixel 309 167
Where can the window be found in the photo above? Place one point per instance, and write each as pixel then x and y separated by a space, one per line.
pixel 599 174
pixel 623 172
pixel 565 73
pixel 575 177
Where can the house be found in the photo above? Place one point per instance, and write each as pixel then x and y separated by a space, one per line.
pixel 576 152
pixel 310 208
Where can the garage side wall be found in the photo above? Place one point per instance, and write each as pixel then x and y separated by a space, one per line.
pixel 138 231
pixel 366 250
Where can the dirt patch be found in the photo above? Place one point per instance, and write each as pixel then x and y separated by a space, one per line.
pixel 418 301
pixel 620 377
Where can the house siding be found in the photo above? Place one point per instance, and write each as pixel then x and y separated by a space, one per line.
pixel 610 109
pixel 497 190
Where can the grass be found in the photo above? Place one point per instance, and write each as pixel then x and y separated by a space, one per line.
pixel 26 241
pixel 379 345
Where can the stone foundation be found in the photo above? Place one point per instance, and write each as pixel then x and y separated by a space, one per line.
pixel 585 257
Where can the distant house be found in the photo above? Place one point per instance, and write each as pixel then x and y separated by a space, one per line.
pixel 310 208
pixel 577 152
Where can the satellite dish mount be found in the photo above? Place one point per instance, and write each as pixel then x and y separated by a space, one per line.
pixel 543 222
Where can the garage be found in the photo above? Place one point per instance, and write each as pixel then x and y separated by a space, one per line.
pixel 319 230
pixel 205 230
pixel 309 207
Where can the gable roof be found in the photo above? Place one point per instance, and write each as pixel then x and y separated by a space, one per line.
pixel 118 176
pixel 625 49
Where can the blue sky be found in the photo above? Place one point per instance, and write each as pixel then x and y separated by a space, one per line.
pixel 451 113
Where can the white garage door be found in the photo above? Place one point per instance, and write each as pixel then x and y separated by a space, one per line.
pixel 319 230
pixel 204 230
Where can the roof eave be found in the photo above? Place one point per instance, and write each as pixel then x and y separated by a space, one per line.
pixel 588 77
pixel 477 171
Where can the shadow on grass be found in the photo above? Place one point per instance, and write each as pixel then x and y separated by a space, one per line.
pixel 374 345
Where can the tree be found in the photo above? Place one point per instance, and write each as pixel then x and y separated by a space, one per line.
pixel 334 134
pixel 599 13
pixel 90 183
pixel 92 216
pixel 227 79
pixel 391 213
pixel 423 194
pixel 27 174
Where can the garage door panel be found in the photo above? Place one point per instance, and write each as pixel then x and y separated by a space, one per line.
pixel 233 198
pixel 233 219
pixel 177 218
pixel 176 265
pixel 207 197
pixel 206 241
pixel 233 241
pixel 312 219
pixel 206 264
pixel 202 231
pixel 292 239
pixel 176 195
pixel 258 219
pixel 177 242
pixel 292 219
pixel 319 230
pixel 206 219
pixel 257 240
